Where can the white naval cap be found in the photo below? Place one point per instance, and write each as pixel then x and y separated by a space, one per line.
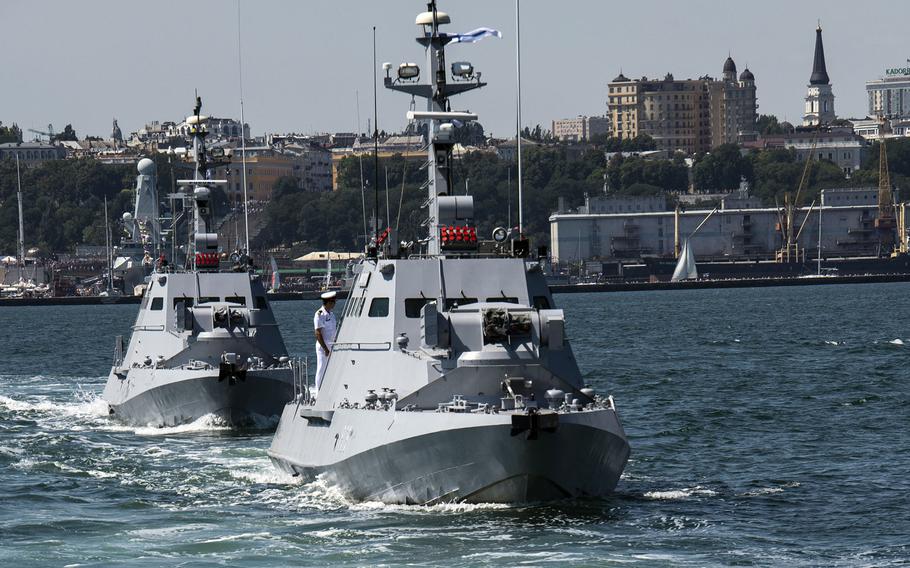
pixel 328 295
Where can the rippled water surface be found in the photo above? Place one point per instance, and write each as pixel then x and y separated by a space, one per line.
pixel 768 427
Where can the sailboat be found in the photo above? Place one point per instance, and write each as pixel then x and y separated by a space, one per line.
pixel 276 276
pixel 685 268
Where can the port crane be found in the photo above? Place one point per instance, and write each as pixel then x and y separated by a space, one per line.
pixel 886 221
pixel 789 250
pixel 50 132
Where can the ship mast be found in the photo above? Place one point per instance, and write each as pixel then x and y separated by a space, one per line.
pixel 21 221
pixel 204 243
pixel 438 118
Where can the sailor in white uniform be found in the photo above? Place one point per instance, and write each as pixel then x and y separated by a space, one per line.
pixel 325 324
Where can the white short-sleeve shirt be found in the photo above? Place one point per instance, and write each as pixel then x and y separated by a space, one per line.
pixel 325 320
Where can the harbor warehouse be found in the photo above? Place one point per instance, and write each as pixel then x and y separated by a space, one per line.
pixel 634 228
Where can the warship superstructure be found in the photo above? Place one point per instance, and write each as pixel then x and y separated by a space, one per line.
pixel 205 340
pixel 451 377
pixel 137 253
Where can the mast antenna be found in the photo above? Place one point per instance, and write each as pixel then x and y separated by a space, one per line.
pixel 246 211
pixel 21 222
pixel 375 151
pixel 518 120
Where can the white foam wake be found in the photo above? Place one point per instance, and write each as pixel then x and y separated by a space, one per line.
pixel 676 494
pixel 206 423
pixel 85 406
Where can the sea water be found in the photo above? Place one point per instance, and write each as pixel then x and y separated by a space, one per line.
pixel 769 427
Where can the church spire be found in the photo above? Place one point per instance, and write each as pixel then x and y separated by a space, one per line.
pixel 819 73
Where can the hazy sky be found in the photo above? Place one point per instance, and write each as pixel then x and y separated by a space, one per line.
pixel 87 62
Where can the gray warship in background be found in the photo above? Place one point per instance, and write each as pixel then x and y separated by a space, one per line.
pixel 205 340
pixel 135 257
pixel 451 378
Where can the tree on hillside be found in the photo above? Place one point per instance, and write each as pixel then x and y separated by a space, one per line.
pixel 68 134
pixel 722 169
pixel 10 133
pixel 767 124
pixel 470 134
pixel 641 143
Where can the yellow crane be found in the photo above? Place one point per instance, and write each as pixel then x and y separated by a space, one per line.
pixel 789 250
pixel 886 221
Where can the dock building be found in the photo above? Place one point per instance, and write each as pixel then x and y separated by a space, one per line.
pixel 616 229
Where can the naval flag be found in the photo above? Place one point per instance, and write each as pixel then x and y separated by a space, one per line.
pixel 473 35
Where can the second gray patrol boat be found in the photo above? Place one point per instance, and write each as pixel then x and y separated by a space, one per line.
pixel 205 340
pixel 451 377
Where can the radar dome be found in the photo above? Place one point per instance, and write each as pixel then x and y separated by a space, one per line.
pixel 127 216
pixel 146 167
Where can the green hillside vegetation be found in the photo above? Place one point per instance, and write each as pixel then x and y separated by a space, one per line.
pixel 335 220
pixel 64 199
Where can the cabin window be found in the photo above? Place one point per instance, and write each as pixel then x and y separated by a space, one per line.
pixel 379 308
pixel 262 303
pixel 236 300
pixel 157 304
pixel 506 299
pixel 187 302
pixel 412 306
pixel 541 302
pixel 207 299
pixel 453 302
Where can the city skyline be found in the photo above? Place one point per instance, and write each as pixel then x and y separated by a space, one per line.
pixel 304 62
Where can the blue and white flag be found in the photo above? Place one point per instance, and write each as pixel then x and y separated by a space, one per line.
pixel 473 35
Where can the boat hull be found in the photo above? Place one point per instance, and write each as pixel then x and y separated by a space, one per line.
pixel 169 397
pixel 428 457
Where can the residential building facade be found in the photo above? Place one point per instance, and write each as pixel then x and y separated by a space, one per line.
pixel 688 115
pixel 734 106
pixel 31 153
pixel 580 128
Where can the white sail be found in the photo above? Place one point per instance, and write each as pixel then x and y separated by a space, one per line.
pixel 276 277
pixel 685 268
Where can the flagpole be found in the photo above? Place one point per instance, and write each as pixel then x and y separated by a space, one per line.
pixel 518 120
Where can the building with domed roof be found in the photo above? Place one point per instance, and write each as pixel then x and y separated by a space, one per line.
pixel 691 115
pixel 734 106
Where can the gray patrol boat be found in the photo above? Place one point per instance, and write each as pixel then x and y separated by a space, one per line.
pixel 451 378
pixel 205 340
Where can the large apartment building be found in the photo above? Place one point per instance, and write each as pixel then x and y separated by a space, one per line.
pixel 581 128
pixel 691 115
